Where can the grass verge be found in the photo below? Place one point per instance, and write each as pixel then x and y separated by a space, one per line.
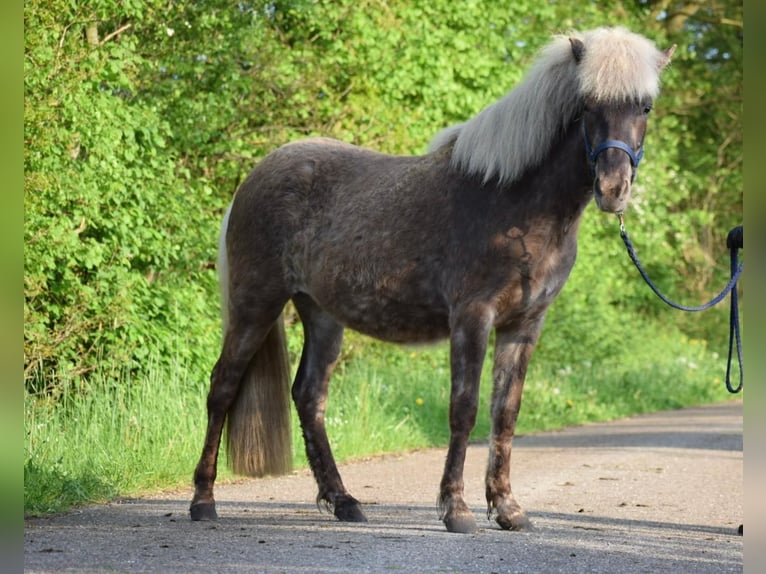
pixel 106 440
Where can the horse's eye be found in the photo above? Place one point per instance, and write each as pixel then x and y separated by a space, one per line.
pixel 647 108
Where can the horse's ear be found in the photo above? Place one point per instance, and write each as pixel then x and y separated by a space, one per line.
pixel 578 48
pixel 667 55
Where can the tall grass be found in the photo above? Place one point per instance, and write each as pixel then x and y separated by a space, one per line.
pixel 105 440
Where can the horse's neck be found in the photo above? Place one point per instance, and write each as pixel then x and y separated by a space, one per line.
pixel 562 185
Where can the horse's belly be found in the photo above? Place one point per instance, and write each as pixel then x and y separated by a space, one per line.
pixel 395 321
pixel 399 306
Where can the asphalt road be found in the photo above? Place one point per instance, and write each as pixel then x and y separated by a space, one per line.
pixel 655 493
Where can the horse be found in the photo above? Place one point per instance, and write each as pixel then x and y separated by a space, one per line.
pixel 478 233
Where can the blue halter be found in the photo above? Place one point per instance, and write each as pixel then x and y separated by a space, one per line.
pixel 635 158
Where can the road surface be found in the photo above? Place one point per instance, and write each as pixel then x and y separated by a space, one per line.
pixel 654 493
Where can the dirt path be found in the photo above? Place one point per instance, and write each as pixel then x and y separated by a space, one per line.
pixel 656 493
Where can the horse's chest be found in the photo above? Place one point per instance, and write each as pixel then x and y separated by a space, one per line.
pixel 529 272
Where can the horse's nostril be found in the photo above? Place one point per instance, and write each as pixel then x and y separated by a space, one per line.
pixel 625 190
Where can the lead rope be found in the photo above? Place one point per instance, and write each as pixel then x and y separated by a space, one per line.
pixel 734 242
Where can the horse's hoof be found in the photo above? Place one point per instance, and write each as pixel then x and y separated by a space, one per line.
pixel 203 511
pixel 518 521
pixel 461 524
pixel 349 511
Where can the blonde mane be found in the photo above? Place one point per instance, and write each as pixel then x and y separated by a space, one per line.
pixel 516 132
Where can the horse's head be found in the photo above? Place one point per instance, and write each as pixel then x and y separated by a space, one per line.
pixel 614 123
pixel 614 142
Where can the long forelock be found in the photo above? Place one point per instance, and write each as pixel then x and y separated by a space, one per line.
pixel 619 65
pixel 517 132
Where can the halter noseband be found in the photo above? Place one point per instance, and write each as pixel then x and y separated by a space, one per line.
pixel 635 158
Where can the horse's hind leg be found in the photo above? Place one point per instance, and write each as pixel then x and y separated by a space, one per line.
pixel 513 350
pixel 323 337
pixel 468 345
pixel 244 336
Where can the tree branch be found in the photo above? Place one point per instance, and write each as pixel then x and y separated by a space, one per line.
pixel 118 31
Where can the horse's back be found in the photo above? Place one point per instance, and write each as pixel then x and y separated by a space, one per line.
pixel 317 169
pixel 361 232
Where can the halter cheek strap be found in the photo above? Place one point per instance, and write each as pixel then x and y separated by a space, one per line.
pixel 635 158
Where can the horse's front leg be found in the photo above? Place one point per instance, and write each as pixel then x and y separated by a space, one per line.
pixel 513 349
pixel 468 345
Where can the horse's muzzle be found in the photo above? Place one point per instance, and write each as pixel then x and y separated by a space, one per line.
pixel 612 192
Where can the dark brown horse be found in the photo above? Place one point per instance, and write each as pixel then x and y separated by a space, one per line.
pixel 478 234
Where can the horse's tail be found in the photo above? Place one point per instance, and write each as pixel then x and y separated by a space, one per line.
pixel 258 437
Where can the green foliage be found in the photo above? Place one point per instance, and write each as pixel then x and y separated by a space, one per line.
pixel 617 379
pixel 142 117
pixel 113 439
pixel 691 194
pixel 115 247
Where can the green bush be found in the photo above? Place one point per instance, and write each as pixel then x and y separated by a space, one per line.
pixel 116 239
pixel 141 118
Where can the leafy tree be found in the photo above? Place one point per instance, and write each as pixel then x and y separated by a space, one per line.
pixel 112 255
pixel 142 117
